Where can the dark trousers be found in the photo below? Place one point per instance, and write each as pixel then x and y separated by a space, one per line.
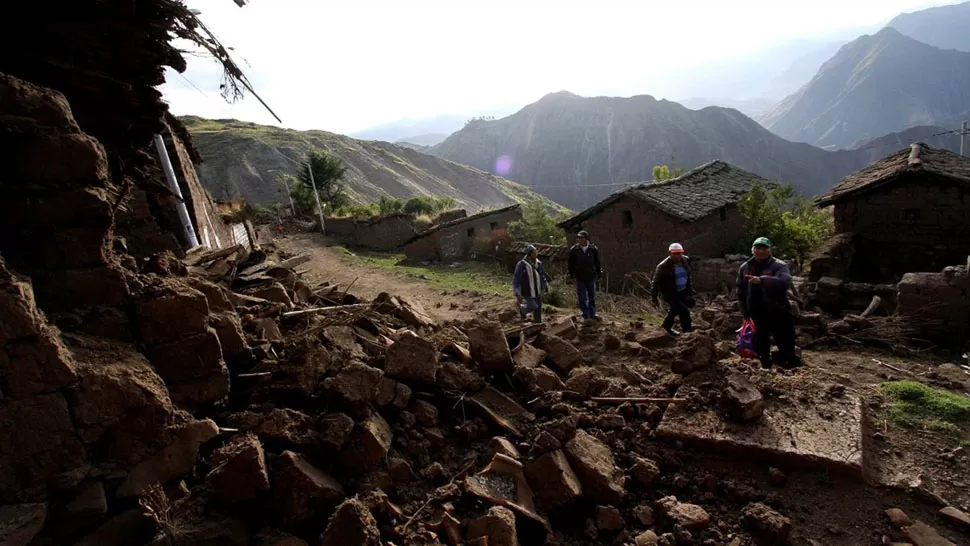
pixel 586 296
pixel 777 323
pixel 537 312
pixel 678 309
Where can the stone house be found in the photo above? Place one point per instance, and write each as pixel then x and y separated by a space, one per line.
pixel 905 213
pixel 633 227
pixel 458 239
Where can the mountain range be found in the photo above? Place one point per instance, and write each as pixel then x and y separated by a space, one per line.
pixel 876 85
pixel 578 150
pixel 243 160
pixel 945 27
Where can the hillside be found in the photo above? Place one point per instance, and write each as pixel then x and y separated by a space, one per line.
pixel 578 150
pixel 241 159
pixel 878 148
pixel 946 27
pixel 873 86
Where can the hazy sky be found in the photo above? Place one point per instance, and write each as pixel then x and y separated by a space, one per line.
pixel 345 66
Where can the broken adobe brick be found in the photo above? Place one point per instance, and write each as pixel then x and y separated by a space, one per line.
pixel 742 400
pixel 355 385
pixel 560 353
pixel 412 358
pixel 553 481
pixel 368 444
pixel 593 462
pixel 301 490
pixel 352 523
pixel 497 526
pixel 527 356
pixel 239 470
pixel 489 347
pixel 767 525
pixel 690 516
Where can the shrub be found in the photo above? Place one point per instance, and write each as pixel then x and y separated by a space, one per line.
pixel 795 226
pixel 537 226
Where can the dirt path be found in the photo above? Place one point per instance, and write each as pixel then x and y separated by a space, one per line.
pixel 333 264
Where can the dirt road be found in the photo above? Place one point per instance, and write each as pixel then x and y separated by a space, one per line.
pixel 333 264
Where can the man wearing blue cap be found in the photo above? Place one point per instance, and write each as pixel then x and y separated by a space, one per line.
pixel 763 283
pixel 530 282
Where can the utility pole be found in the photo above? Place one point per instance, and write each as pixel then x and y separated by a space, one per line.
pixel 309 168
pixel 963 139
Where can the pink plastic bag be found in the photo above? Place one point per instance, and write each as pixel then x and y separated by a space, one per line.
pixel 745 339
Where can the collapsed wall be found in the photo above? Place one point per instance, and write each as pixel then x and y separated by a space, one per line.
pixel 937 305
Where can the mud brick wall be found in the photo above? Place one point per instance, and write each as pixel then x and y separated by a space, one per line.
pixel 456 241
pixel 341 227
pixel 715 275
pixel 639 246
pixel 919 223
pixel 385 233
pixel 937 304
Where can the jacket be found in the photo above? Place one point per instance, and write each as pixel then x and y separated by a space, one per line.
pixel 520 279
pixel 584 266
pixel 665 280
pixel 771 294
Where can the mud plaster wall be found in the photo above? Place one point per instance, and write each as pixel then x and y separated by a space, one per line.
pixel 638 246
pixel 457 241
pixel 384 233
pixel 715 275
pixel 918 223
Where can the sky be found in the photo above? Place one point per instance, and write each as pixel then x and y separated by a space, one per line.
pixel 346 66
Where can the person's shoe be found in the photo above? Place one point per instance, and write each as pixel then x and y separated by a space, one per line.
pixel 766 364
pixel 671 332
pixel 791 363
pixel 597 318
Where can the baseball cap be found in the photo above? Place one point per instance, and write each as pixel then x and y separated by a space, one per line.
pixel 761 241
pixel 583 234
pixel 676 247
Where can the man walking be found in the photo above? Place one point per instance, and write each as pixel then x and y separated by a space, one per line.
pixel 672 282
pixel 530 282
pixel 763 283
pixel 584 267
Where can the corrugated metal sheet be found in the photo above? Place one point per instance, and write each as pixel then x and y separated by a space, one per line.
pixel 239 235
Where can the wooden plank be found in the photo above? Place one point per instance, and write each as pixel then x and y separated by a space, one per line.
pixel 923 535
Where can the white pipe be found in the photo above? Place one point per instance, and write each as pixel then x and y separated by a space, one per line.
pixel 173 184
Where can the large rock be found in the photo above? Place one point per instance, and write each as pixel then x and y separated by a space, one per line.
pixel 239 470
pixel 175 459
pixel 352 523
pixel 369 444
pixel 690 516
pixel 20 523
pixel 412 358
pixel 355 385
pixel 497 526
pixel 767 526
pixel 489 348
pixel 593 462
pixel 742 400
pixel 560 353
pixel 301 490
pixel 553 481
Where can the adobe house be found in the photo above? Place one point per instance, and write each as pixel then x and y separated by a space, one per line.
pixel 458 238
pixel 554 258
pixel 633 227
pixel 908 212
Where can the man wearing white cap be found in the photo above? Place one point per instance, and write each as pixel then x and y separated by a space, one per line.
pixel 671 281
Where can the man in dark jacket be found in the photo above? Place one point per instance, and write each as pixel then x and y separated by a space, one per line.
pixel 763 283
pixel 671 281
pixel 529 283
pixel 584 267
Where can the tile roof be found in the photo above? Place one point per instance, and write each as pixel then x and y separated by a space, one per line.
pixel 546 252
pixel 917 158
pixel 689 197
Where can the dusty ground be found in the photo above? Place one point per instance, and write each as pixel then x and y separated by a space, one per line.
pixel 828 508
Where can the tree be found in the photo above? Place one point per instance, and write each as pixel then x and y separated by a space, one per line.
pixel 663 172
pixel 536 226
pixel 328 171
pixel 795 226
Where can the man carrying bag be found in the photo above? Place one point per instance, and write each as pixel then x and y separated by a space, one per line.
pixel 672 281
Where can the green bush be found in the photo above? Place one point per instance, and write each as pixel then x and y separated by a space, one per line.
pixel 795 226
pixel 431 206
pixel 916 404
pixel 537 226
